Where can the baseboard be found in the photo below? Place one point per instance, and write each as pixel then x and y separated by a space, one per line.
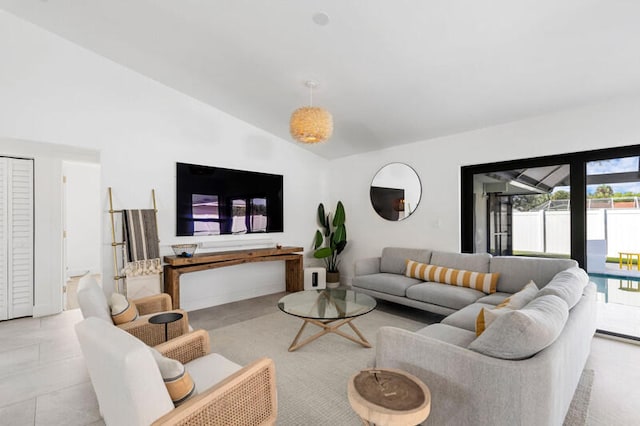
pixel 44 310
pixel 192 305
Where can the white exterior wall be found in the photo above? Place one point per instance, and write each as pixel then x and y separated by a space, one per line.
pixel 620 228
pixel 623 231
pixel 56 92
pixel 528 233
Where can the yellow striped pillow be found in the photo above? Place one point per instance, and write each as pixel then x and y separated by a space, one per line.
pixel 485 282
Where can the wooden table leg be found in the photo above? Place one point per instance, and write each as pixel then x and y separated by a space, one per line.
pixel 293 274
pixel 172 285
pixel 327 327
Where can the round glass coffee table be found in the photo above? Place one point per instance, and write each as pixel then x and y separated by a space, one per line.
pixel 329 309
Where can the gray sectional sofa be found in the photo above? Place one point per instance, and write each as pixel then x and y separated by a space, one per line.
pixel 523 369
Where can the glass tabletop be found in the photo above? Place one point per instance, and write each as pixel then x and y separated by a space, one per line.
pixel 327 304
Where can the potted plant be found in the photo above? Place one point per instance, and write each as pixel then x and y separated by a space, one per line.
pixel 331 242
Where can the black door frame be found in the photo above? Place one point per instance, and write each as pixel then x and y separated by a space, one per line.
pixel 577 167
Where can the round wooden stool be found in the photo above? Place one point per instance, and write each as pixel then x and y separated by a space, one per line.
pixel 389 397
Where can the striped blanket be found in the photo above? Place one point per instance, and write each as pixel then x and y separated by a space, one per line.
pixel 141 234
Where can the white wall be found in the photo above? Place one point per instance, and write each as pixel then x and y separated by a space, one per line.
pixel 56 92
pixel 82 217
pixel 436 223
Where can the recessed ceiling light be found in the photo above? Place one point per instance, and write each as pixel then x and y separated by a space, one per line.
pixel 321 18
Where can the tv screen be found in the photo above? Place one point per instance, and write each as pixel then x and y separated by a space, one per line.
pixel 216 201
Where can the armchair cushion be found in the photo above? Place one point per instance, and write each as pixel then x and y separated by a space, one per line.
pixel 178 381
pixel 92 300
pixel 122 310
pixel 205 376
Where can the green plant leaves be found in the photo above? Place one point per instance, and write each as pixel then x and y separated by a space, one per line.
pixel 323 252
pixel 335 241
pixel 321 215
pixel 318 239
pixel 340 216
pixel 340 234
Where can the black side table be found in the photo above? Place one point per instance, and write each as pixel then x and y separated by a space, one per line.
pixel 165 318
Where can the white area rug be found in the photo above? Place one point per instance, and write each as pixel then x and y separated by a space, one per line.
pixel 312 381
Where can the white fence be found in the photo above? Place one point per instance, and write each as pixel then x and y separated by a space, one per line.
pixel 549 231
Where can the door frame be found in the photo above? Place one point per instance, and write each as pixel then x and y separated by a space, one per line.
pixel 578 181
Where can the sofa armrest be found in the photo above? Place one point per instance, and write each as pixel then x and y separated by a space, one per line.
pixel 246 397
pixel 187 347
pixel 368 266
pixel 152 304
pixel 153 334
pixel 468 387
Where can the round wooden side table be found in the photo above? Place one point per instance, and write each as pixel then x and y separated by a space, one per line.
pixel 389 397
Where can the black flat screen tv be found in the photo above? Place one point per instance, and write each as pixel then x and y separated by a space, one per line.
pixel 217 201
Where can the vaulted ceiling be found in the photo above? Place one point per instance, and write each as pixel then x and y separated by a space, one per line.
pixel 390 72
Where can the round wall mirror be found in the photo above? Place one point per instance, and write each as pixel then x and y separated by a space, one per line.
pixel 395 191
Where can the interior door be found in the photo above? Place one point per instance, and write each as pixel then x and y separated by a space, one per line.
pixel 16 238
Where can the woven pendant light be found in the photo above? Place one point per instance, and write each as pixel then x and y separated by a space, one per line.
pixel 311 124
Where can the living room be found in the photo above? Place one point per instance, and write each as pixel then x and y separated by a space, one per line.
pixel 63 101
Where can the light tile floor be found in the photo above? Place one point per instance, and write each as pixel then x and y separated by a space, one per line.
pixel 43 380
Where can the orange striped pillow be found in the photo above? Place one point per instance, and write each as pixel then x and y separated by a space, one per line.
pixel 485 282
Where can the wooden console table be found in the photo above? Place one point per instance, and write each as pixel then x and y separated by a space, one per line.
pixel 177 265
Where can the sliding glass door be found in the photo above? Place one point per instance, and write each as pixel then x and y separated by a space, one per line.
pixel 583 205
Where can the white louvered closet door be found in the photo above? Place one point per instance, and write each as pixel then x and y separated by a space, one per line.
pixel 16 238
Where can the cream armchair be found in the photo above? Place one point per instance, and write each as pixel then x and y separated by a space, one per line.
pixel 93 303
pixel 130 389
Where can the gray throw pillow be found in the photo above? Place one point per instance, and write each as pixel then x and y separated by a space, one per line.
pixel 520 334
pixel 568 285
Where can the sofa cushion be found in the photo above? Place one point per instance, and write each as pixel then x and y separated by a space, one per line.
pixel 522 333
pixel 494 299
pixel 458 277
pixel 447 333
pixel 385 283
pixel 449 296
pixel 521 298
pixel 466 317
pixel 469 261
pixel 122 310
pixel 567 285
pixel 517 271
pixel 393 258
pixel 178 381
